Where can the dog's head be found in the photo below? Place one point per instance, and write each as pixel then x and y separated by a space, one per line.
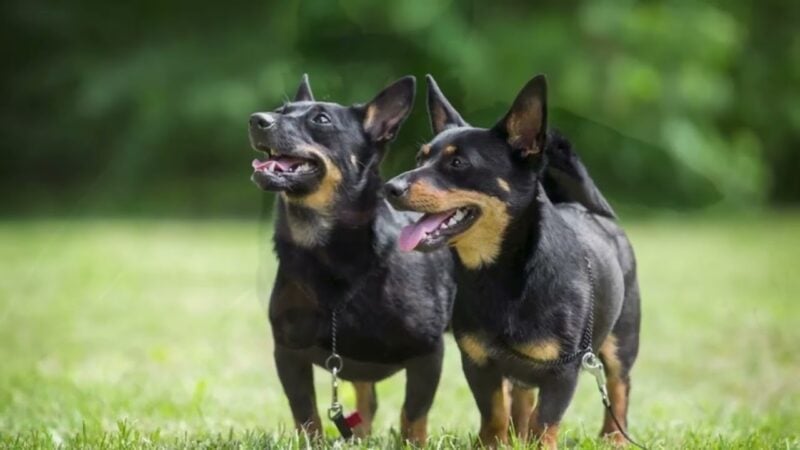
pixel 471 182
pixel 316 150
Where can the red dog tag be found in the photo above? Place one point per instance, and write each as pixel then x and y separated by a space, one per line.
pixel 353 420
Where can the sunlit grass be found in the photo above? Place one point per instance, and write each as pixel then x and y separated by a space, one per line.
pixel 144 333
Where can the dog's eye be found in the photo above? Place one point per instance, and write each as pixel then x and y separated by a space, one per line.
pixel 457 163
pixel 322 119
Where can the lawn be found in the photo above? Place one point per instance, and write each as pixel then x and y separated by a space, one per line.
pixel 134 333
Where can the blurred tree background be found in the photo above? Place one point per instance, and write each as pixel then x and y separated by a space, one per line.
pixel 141 107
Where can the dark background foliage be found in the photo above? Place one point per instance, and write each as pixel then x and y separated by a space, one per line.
pixel 141 107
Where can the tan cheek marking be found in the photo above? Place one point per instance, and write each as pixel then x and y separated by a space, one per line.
pixel 503 184
pixel 474 348
pixel 544 349
pixel 480 244
pixel 450 149
pixel 322 198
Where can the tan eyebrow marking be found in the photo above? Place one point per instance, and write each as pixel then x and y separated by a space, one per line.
pixel 503 184
pixel 425 149
pixel 450 149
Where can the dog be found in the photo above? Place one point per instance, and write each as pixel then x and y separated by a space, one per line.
pixel 335 239
pixel 541 262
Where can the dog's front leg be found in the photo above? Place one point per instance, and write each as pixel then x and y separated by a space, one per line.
pixel 491 397
pixel 422 380
pixel 297 379
pixel 555 395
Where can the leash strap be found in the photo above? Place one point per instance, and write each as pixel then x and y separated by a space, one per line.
pixel 589 360
pixel 334 364
pixel 592 364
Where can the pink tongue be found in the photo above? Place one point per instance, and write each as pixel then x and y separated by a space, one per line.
pixel 410 235
pixel 283 163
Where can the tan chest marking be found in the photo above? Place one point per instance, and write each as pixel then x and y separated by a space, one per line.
pixel 543 349
pixel 307 232
pixel 475 348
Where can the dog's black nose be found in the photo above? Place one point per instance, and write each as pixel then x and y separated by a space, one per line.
pixel 396 188
pixel 262 121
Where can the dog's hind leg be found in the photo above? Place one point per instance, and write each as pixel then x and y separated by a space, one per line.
pixel 366 404
pixel 522 402
pixel 618 353
pixel 297 379
pixel 422 380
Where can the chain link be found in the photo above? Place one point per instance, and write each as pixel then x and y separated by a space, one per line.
pixel 334 364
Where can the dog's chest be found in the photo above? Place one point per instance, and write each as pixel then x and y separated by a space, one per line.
pixel 495 324
pixel 367 328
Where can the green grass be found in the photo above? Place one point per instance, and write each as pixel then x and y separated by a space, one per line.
pixel 124 334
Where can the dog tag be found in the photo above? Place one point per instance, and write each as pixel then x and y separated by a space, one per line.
pixel 345 425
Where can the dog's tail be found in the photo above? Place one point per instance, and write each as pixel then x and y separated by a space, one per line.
pixel 567 180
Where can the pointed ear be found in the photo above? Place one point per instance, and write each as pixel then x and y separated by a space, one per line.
pixel 304 93
pixel 441 112
pixel 525 124
pixel 389 109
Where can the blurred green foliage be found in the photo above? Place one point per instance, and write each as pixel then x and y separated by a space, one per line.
pixel 141 107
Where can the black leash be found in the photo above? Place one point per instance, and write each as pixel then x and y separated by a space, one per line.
pixel 592 364
pixel 589 360
pixel 334 363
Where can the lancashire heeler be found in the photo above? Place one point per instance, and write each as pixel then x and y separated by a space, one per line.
pixel 335 238
pixel 525 287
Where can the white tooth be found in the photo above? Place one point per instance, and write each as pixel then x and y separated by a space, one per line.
pixel 459 214
pixel 443 226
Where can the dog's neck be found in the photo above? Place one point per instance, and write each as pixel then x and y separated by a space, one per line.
pixel 349 220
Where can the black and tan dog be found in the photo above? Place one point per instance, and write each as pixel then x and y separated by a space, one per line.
pixel 524 233
pixel 335 237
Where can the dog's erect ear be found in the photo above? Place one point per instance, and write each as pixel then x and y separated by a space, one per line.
pixel 525 124
pixel 304 93
pixel 387 111
pixel 441 112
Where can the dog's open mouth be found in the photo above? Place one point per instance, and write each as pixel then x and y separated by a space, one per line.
pixel 293 173
pixel 285 165
pixel 433 230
